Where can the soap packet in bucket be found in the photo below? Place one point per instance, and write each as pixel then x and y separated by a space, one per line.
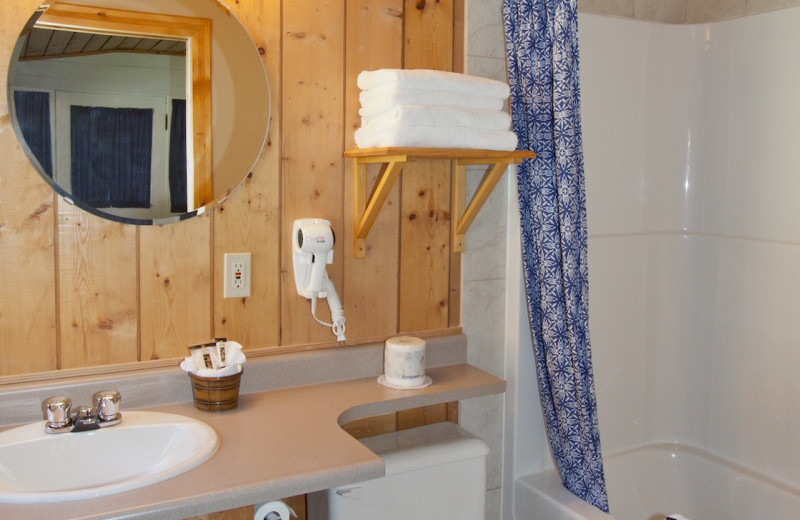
pixel 215 370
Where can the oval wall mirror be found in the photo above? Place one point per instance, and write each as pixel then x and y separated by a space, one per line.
pixel 140 111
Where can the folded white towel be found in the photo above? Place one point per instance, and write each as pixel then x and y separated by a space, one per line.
pixel 378 100
pixel 421 115
pixel 379 136
pixel 432 80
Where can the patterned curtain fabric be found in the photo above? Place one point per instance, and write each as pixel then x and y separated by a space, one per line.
pixel 542 52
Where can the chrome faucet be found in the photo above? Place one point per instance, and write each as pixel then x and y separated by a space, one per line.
pixel 104 412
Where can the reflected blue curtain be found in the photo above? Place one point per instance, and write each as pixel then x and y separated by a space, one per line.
pixel 542 52
pixel 33 115
pixel 111 156
pixel 177 157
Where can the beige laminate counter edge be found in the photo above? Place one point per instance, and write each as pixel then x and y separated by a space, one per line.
pixel 277 443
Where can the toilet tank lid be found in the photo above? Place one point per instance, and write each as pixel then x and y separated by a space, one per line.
pixel 425 446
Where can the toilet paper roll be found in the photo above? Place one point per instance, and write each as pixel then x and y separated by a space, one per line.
pixel 404 363
pixel 275 510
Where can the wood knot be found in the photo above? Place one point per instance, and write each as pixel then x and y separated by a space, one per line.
pixel 412 216
pixel 106 325
pixel 41 210
pixel 420 5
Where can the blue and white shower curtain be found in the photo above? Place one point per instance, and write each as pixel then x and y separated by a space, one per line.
pixel 542 52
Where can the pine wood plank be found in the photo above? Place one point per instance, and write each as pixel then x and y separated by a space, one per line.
pixel 312 169
pixel 374 35
pixel 298 503
pixel 98 289
pixel 27 226
pixel 249 220
pixel 176 287
pixel 459 36
pixel 425 214
pixel 421 416
pixel 425 246
pixel 371 426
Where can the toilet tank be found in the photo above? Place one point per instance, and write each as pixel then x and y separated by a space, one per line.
pixel 433 472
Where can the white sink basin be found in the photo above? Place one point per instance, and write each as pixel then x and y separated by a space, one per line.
pixel 145 448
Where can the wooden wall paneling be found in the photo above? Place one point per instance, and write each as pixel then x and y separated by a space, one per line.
pixel 429 34
pixel 298 503
pixel 374 40
pixel 454 291
pixel 425 246
pixel 317 67
pixel 27 229
pixel 459 65
pixel 459 36
pixel 371 426
pixel 311 139
pixel 98 289
pixel 28 298
pixel 176 287
pixel 249 221
pixel 425 214
pixel 421 416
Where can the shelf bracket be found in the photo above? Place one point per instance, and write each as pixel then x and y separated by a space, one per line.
pixel 463 214
pixel 367 209
pixel 392 160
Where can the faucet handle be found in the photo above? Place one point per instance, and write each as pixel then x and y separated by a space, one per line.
pixel 106 404
pixel 58 410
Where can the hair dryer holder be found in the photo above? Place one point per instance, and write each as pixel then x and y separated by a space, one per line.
pixel 312 251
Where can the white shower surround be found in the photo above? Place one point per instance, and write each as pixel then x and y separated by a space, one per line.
pixel 691 134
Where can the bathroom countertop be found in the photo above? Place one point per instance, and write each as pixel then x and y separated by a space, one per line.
pixel 277 443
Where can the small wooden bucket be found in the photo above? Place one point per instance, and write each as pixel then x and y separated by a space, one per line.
pixel 216 394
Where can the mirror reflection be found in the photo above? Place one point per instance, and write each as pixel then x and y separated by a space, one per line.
pixel 120 118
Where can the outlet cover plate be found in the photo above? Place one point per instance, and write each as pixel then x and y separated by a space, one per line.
pixel 237 275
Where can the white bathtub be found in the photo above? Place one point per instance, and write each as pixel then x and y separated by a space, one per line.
pixel 649 482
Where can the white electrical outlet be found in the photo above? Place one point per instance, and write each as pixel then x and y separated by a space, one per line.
pixel 237 275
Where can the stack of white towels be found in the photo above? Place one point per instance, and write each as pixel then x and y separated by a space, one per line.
pixel 420 108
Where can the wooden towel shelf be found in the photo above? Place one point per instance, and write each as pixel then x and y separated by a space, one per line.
pixel 393 160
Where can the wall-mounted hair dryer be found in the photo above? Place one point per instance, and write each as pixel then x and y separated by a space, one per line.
pixel 312 250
